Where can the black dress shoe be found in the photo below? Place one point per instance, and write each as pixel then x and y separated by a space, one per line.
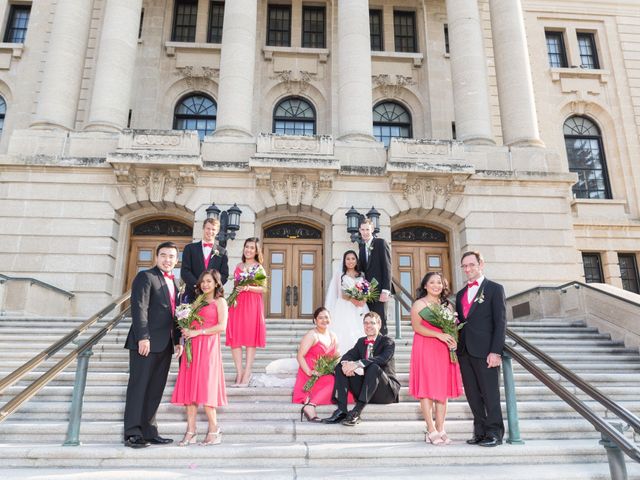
pixel 352 419
pixel 476 439
pixel 490 441
pixel 337 417
pixel 136 441
pixel 158 440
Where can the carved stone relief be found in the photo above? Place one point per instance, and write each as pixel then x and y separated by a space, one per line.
pixel 155 182
pixel 198 77
pixel 392 84
pixel 295 84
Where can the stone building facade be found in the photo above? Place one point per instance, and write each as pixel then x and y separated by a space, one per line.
pixel 508 126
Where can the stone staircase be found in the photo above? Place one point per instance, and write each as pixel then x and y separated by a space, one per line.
pixel 263 435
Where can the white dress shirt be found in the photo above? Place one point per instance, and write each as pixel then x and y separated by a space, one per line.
pixel 471 291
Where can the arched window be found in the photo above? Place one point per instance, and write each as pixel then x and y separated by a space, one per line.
pixel 3 111
pixel 294 116
pixel 583 141
pixel 391 120
pixel 196 112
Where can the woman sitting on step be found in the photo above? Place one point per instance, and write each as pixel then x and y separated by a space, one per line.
pixel 317 342
pixel 201 381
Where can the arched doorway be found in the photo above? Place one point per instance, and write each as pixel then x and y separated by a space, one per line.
pixel 417 250
pixel 293 260
pixel 145 237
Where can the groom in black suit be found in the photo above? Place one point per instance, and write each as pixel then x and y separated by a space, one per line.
pixel 151 341
pixel 368 371
pixel 481 306
pixel 375 262
pixel 204 255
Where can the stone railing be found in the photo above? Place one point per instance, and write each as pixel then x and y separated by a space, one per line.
pixel 426 154
pixel 273 144
pixel 24 296
pixel 609 309
pixel 178 142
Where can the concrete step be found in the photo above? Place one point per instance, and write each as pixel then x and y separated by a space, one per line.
pixel 570 471
pixel 264 431
pixel 307 454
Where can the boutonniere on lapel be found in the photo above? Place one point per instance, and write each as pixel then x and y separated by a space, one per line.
pixel 370 248
pixel 479 297
pixel 215 252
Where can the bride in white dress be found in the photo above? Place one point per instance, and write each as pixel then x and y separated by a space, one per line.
pixel 346 312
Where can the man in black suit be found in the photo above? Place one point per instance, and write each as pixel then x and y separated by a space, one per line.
pixel 151 341
pixel 375 262
pixel 204 255
pixel 481 306
pixel 368 371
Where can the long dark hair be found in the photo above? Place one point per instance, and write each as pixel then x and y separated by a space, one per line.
pixel 344 263
pixel 218 289
pixel 258 256
pixel 422 289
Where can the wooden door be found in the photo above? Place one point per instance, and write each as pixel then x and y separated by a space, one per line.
pixel 412 261
pixel 294 268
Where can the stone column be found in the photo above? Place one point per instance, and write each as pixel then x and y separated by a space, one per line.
pixel 515 87
pixel 469 72
pixel 110 100
pixel 62 77
pixel 354 71
pixel 237 65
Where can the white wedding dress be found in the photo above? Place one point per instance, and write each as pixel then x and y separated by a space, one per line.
pixel 346 318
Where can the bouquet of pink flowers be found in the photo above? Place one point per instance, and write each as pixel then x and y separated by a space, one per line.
pixel 186 314
pixel 254 276
pixel 363 290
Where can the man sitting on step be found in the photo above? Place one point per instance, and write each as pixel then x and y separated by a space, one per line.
pixel 367 371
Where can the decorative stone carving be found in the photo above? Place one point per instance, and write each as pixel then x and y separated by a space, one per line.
pixel 159 141
pixel 392 86
pixel 197 77
pixel 294 190
pixel 295 84
pixel 156 182
pixel 269 143
pixel 429 193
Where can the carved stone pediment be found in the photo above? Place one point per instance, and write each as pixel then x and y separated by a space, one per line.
pixel 155 184
pixel 293 189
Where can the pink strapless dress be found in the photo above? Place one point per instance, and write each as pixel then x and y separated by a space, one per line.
pixel 202 381
pixel 322 391
pixel 246 326
pixel 431 373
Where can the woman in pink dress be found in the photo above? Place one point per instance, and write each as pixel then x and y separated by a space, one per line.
pixel 201 382
pixel 246 326
pixel 316 342
pixel 433 378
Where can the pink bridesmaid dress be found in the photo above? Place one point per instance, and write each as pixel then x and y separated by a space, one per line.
pixel 202 381
pixel 322 391
pixel 431 373
pixel 246 326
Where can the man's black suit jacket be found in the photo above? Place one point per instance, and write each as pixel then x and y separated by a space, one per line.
pixel 193 265
pixel 379 264
pixel 383 356
pixel 151 315
pixel 485 326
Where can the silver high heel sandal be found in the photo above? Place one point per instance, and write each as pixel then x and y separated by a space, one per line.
pixel 188 439
pixel 212 438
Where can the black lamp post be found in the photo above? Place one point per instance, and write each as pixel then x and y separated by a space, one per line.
pixel 354 219
pixel 229 222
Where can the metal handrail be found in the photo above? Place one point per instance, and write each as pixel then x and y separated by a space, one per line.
pixel 578 405
pixel 48 352
pixel 396 283
pixel 608 432
pixel 632 420
pixel 12 405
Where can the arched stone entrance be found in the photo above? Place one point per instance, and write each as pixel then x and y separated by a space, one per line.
pixel 293 258
pixel 145 237
pixel 417 250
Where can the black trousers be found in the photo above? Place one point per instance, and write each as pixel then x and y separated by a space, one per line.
pixel 147 379
pixel 482 389
pixel 372 387
pixel 379 308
